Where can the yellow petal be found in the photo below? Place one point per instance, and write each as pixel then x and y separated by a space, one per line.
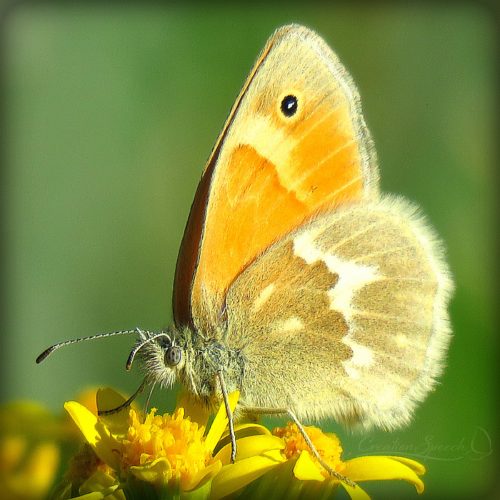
pixel 101 485
pixel 95 495
pixel 201 492
pixel 99 481
pixel 87 397
pixel 356 492
pixel 306 469
pixel 220 422
pixel 417 467
pixel 156 472
pixel 192 408
pixel 95 433
pixel 41 468
pixel 12 449
pixel 117 423
pixel 381 468
pixel 241 431
pixel 250 429
pixel 235 476
pixel 250 446
pixel 85 420
pixel 203 475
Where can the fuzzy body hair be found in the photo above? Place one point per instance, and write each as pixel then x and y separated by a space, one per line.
pixel 202 358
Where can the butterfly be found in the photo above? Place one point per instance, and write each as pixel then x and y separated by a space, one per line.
pixel 298 283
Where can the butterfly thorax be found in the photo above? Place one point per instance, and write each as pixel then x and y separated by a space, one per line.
pixel 201 357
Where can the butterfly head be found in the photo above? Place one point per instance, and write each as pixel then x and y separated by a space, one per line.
pixel 162 355
pixel 189 357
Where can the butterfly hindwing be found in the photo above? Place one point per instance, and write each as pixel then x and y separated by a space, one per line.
pixel 348 312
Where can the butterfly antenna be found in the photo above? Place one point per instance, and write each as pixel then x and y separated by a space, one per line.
pixel 54 347
pixel 138 347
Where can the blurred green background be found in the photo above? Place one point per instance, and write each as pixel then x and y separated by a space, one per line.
pixel 109 114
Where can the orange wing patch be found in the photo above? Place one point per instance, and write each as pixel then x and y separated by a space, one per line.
pixel 325 165
pixel 271 172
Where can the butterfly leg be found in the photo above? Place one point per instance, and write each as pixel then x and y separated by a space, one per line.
pixel 307 439
pixel 148 400
pixel 229 414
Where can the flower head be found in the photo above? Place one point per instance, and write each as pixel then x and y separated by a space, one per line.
pixel 289 470
pixel 169 443
pixel 170 455
pixel 327 445
pixel 166 453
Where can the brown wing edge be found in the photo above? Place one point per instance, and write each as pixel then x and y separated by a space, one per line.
pixel 188 257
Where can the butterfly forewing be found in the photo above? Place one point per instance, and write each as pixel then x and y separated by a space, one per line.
pixel 348 313
pixel 270 172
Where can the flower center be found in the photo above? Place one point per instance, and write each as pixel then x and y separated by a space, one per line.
pixel 171 437
pixel 327 445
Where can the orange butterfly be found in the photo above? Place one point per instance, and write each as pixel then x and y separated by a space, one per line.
pixel 333 296
pixel 297 283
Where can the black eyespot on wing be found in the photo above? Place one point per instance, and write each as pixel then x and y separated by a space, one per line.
pixel 289 105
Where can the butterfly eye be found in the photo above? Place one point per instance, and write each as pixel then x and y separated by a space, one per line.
pixel 289 105
pixel 173 355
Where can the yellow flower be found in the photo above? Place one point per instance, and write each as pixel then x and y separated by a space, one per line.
pixel 170 456
pixel 164 454
pixel 290 471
